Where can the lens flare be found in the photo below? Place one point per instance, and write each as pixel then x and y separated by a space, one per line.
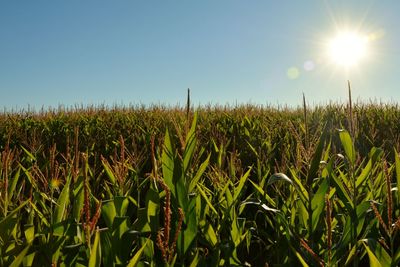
pixel 309 65
pixel 348 48
pixel 293 73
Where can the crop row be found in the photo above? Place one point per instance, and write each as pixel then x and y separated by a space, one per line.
pixel 245 186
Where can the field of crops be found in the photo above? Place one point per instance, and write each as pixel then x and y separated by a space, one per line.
pixel 212 186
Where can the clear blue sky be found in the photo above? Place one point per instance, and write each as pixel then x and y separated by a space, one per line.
pixel 144 52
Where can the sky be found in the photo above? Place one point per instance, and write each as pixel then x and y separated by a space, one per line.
pixel 127 52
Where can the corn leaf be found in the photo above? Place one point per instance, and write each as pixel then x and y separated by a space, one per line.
pixel 198 175
pixel 318 203
pixel 95 252
pixel 8 223
pixel 62 202
pixel 373 260
pixel 279 177
pixel 20 258
pixel 397 165
pixel 136 258
pixel 348 146
pixel 239 188
pixel 316 160
pixel 206 199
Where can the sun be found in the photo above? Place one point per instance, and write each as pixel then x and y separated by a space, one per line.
pixel 347 48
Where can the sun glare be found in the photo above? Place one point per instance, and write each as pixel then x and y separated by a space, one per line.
pixel 348 48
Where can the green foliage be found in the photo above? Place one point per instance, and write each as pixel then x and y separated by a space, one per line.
pixel 220 187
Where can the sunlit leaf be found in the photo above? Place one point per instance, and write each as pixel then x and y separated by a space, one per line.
pixel 348 145
pixel 279 177
pixel 95 252
pixel 136 258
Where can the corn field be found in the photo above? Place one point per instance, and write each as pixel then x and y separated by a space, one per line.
pixel 215 186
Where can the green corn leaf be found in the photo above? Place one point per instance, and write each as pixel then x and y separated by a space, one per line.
pixel 120 227
pixel 28 259
pixel 198 175
pixel 20 258
pixel 343 195
pixel 351 255
pixel 8 223
pixel 39 213
pixel 318 203
pixel 348 146
pixel 361 212
pixel 148 217
pixel 238 232
pixel 29 154
pixel 13 185
pixel 303 213
pixel 121 204
pixel 108 212
pixel 109 171
pixel 316 160
pixel 211 235
pixel 188 235
pixel 152 209
pixel 108 254
pixel 188 153
pixel 263 193
pixel 376 154
pixel 252 149
pixel 221 153
pixel 397 166
pixel 190 145
pixel 396 258
pixel 259 204
pixel 181 192
pixel 29 232
pixel 299 257
pixel 228 196
pixel 136 258
pixel 299 187
pixel 345 179
pixel 346 238
pixel 78 198
pixel 381 254
pixel 62 202
pixel 221 192
pixel 195 261
pixel 192 130
pixel 58 245
pixel 239 188
pixel 95 252
pixel 172 170
pixel 373 260
pixel 168 163
pixel 141 225
pixel 279 177
pixel 206 199
pixel 60 229
pixel 28 175
pixel 364 174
